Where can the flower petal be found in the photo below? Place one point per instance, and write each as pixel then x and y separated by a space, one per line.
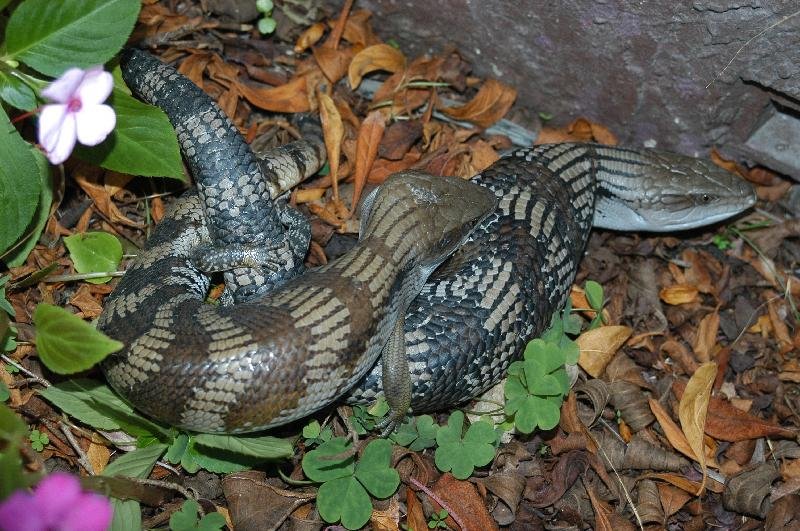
pixel 55 495
pixel 90 512
pixel 95 86
pixel 57 132
pixel 63 88
pixel 19 512
pixel 95 122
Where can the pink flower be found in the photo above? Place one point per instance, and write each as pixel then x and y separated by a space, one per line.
pixel 78 112
pixel 57 504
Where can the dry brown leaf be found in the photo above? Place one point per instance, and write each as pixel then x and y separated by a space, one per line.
pixel 463 497
pixel 415 516
pixel 291 97
pixel 369 138
pixel 85 302
pixel 90 181
pixel 726 423
pixel 693 409
pixel 194 66
pixel 602 511
pixel 333 131
pixel 681 482
pixel 386 519
pixel 333 63
pixel 305 195
pixel 309 37
pixel 672 431
pixel 372 58
pixel 482 155
pixel 779 328
pixel 358 30
pixel 98 455
pixel 383 168
pixel 706 337
pixel 598 346
pixel 489 105
pixel 672 498
pixel 679 294
pixel 729 165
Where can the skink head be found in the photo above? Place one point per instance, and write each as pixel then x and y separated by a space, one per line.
pixel 435 213
pixel 661 192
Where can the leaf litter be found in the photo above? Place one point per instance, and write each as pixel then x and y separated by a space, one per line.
pixel 688 393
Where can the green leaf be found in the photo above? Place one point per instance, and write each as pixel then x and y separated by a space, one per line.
pixel 52 36
pixel 19 184
pixel 5 394
pixel 11 426
pixel 136 464
pixel 215 460
pixel 142 143
pixel 267 25
pixel 263 447
pixel 312 430
pixel 4 304
pixel 94 252
pixel 177 449
pixel 594 294
pixel 95 404
pixel 127 515
pixel 547 385
pixel 19 254
pixel 212 522
pixel 461 456
pixel 346 500
pixel 186 518
pixel 67 344
pixel 374 471
pixel 16 93
pixel 317 468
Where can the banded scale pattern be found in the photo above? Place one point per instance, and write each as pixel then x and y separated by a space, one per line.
pixel 284 355
pixel 236 188
pixel 500 289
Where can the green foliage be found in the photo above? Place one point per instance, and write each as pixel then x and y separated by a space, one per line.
pixel 142 143
pixel 536 385
pixel 266 24
pixel 12 432
pixel 66 343
pixel 94 252
pixel 346 485
pixel 437 520
pixel 51 36
pixel 417 433
pixel 722 241
pixel 16 256
pixel 20 185
pixel 314 434
pixel 188 519
pixel 5 394
pixel 38 440
pixel 364 419
pixel 461 455
pixel 595 296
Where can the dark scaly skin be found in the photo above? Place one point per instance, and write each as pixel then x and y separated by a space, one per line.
pixel 233 184
pixel 499 290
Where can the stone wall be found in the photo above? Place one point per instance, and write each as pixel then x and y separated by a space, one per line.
pixel 640 67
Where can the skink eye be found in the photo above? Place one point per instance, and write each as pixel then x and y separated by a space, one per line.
pixel 705 198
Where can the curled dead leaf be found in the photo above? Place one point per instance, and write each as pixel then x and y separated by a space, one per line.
pixel 693 409
pixel 679 294
pixel 333 132
pixel 309 37
pixel 369 138
pixel 598 346
pixel 291 97
pixel 489 105
pixel 372 58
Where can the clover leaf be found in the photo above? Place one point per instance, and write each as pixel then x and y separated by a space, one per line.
pixel 461 455
pixel 417 433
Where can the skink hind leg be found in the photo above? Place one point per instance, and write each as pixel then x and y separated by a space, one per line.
pixel 396 378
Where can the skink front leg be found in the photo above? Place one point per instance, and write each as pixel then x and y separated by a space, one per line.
pixel 396 378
